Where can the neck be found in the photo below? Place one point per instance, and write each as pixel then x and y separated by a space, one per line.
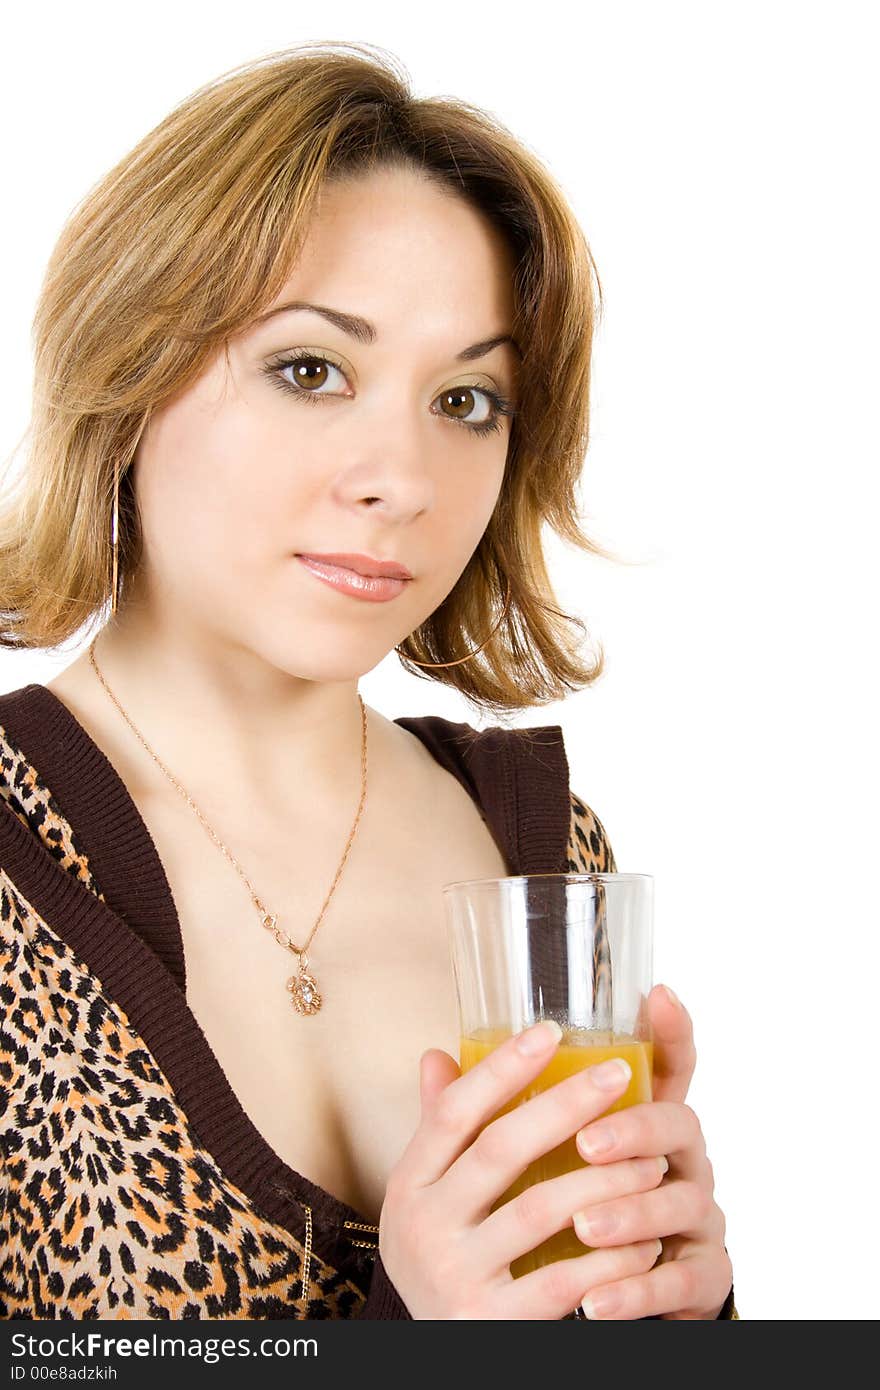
pixel 220 715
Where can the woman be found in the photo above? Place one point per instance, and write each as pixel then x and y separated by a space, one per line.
pixel 187 1137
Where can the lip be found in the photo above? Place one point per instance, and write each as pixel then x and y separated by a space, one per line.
pixel 372 588
pixel 361 564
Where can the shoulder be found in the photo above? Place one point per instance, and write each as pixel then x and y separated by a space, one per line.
pixel 18 780
pixel 524 768
pixel 589 849
pixel 12 701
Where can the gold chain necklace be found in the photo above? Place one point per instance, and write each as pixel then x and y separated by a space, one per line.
pixel 304 993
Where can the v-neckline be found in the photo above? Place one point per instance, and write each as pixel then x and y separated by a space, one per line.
pixel 133 943
pixel 128 942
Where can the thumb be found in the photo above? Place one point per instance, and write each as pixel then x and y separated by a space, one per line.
pixel 436 1071
pixel 674 1053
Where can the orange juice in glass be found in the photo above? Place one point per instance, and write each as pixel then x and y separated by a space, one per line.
pixel 573 947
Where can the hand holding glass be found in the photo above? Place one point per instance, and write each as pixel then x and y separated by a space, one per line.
pixel 575 948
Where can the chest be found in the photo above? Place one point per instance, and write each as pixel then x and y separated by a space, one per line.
pixel 335 1094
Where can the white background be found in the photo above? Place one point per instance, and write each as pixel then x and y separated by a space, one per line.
pixel 721 160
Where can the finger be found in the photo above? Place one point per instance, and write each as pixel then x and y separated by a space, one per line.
pixel 674 1053
pixel 645 1131
pixel 546 1207
pixel 556 1290
pixel 505 1148
pixel 456 1112
pixel 681 1288
pixel 676 1208
pixel 437 1070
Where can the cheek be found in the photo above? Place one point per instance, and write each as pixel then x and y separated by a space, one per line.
pixel 472 496
pixel 199 489
pixel 469 499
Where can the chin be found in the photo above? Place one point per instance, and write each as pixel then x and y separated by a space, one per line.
pixel 319 656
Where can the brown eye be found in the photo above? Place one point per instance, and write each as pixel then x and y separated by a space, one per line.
pixel 463 401
pixel 309 372
pixel 307 375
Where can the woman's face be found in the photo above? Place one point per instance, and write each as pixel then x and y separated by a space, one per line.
pixel 384 446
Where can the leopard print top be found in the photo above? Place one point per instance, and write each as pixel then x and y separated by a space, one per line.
pixel 133 1184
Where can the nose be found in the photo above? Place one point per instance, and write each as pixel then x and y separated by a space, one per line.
pixel 388 473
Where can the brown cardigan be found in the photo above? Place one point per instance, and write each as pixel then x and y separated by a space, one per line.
pixel 134 1183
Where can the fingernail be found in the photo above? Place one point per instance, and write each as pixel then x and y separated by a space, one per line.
pixel 600 1303
pixel 672 997
pixel 595 1141
pixel 610 1076
pixel 663 1164
pixel 539 1038
pixel 595 1227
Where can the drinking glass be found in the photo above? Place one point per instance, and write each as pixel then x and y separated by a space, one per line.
pixel 571 947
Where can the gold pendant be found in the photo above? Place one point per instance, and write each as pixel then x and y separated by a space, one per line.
pixel 304 995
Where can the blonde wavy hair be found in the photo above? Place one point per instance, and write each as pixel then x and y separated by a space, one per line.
pixel 190 237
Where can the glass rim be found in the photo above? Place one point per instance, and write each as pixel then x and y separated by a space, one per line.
pixel 569 878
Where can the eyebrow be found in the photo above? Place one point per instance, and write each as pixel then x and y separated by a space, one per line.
pixel 364 331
